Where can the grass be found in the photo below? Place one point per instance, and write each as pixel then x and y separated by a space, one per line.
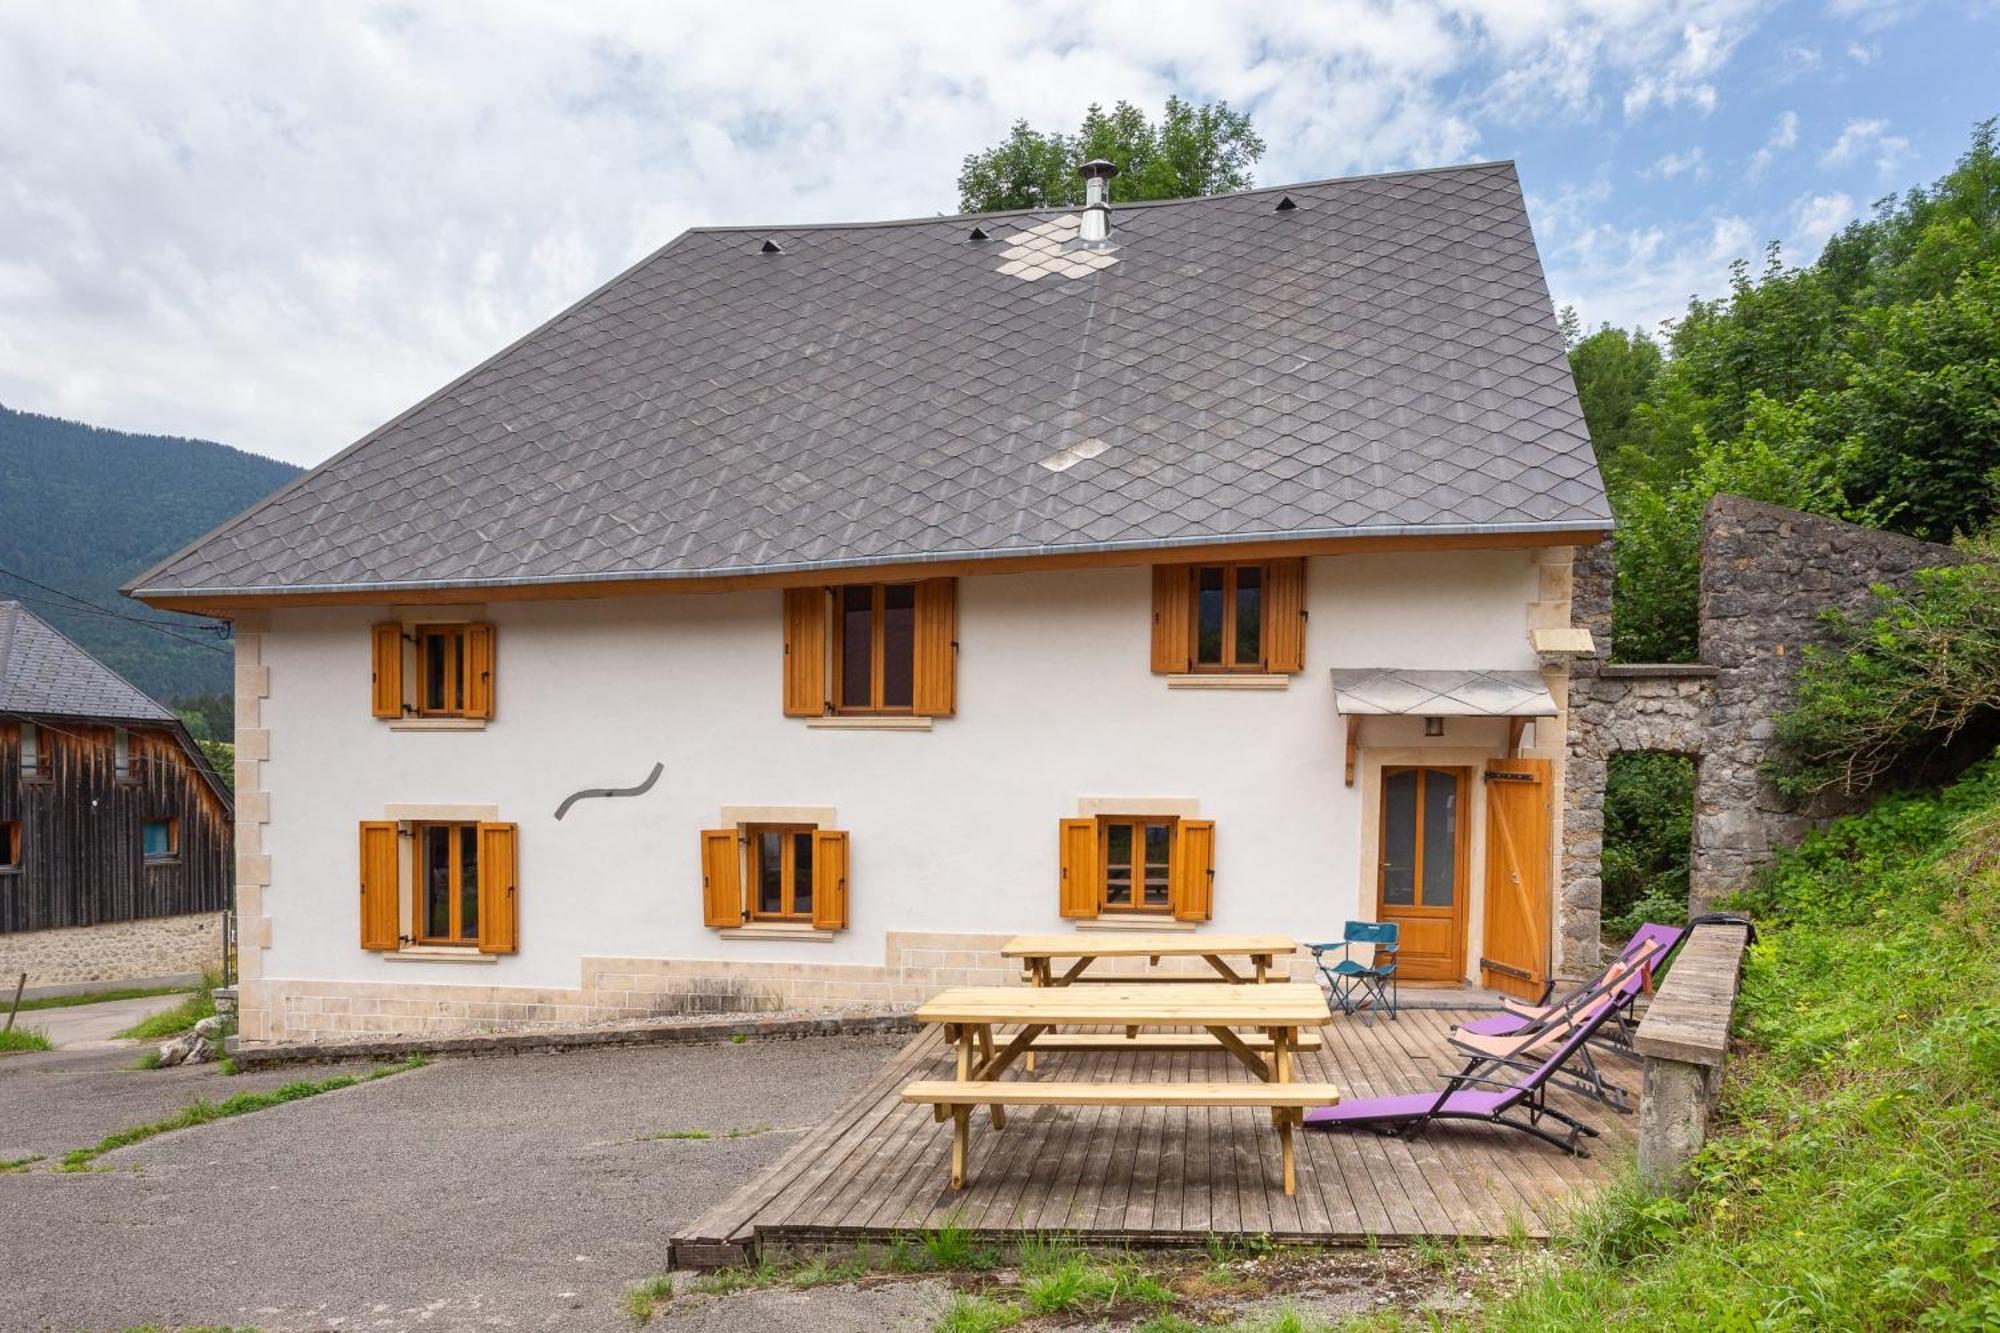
pixel 643 1299
pixel 203 1111
pixel 1058 1277
pixel 951 1247
pixel 677 1135
pixel 19 1163
pixel 970 1312
pixel 99 997
pixel 24 1039
pixel 172 1022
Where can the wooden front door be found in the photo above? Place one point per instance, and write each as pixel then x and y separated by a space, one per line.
pixel 1515 956
pixel 1420 884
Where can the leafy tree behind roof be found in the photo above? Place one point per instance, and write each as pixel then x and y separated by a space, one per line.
pixel 1192 150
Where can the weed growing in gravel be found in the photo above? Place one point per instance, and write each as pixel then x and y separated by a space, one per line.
pixel 202 1111
pixel 750 1133
pixel 678 1135
pixel 1079 1284
pixel 738 1277
pixel 820 1273
pixel 20 1163
pixel 181 1017
pixel 150 1060
pixel 1170 1323
pixel 969 1313
pixel 737 1038
pixel 643 1299
pixel 25 1039
pixel 951 1246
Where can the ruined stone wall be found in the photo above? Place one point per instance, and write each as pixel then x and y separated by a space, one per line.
pixel 1767 575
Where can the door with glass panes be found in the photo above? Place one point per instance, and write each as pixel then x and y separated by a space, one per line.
pixel 1420 884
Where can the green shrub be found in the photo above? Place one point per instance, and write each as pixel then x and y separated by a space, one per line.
pixel 25 1039
pixel 1648 830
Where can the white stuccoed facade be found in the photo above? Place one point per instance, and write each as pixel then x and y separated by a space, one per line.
pixel 953 830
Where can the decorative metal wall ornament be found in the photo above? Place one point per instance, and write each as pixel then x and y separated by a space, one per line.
pixel 589 792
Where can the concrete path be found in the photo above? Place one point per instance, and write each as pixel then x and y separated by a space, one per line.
pixel 520 1192
pixel 92 1026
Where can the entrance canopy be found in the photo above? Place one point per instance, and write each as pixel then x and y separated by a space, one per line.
pixel 1387 691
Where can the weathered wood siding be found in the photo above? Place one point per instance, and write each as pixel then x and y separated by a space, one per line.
pixel 81 859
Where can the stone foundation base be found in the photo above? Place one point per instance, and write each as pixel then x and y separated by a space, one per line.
pixel 163 946
pixel 621 989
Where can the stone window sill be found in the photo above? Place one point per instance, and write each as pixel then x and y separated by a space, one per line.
pixel 438 724
pixel 775 930
pixel 868 723
pixel 1228 680
pixel 438 953
pixel 1151 925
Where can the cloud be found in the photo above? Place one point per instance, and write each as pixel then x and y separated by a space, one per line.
pixel 1691 163
pixel 1863 53
pixel 1784 135
pixel 1815 218
pixel 1867 138
pixel 1685 77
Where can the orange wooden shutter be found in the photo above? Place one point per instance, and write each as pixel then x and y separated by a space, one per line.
pixel 380 895
pixel 478 671
pixel 1171 630
pixel 935 692
pixel 1285 616
pixel 1194 871
pixel 829 879
pixel 499 882
pixel 1079 868
pixel 805 652
pixel 386 690
pixel 721 878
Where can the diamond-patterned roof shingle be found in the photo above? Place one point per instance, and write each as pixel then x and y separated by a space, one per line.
pixel 42 673
pixel 1381 359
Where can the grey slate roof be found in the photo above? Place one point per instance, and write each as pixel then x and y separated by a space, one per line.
pixel 1383 358
pixel 42 673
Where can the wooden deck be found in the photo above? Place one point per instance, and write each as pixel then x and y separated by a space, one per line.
pixel 1161 1176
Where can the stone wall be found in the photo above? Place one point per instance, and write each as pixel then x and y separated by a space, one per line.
pixel 161 946
pixel 1767 575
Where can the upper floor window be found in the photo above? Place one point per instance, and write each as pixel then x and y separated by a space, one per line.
pixel 871 649
pixel 1246 616
pixel 121 755
pixel 441 670
pixel 37 759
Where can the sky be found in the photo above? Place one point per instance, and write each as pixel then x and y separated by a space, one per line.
pixel 277 224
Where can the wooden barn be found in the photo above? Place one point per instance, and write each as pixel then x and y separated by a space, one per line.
pixel 115 833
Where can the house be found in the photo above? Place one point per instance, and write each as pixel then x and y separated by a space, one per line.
pixel 114 830
pixel 1190 565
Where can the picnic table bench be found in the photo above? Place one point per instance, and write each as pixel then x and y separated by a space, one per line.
pixel 1280 1013
pixel 1039 952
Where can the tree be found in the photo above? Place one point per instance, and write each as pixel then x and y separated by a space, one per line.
pixel 1613 370
pixel 1192 150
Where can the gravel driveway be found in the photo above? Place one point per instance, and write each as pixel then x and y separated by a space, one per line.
pixel 520 1192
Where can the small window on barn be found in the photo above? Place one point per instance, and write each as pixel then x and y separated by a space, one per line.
pixel 121 755
pixel 10 845
pixel 160 839
pixel 37 761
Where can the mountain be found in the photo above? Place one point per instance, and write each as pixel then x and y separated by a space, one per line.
pixel 83 509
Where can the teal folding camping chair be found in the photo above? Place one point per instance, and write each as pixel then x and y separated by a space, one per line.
pixel 1368 982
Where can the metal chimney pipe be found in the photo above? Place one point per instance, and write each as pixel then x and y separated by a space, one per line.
pixel 1096 226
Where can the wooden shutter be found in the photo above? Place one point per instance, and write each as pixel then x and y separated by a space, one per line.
pixel 721 878
pixel 805 652
pixel 1172 633
pixel 829 879
pixel 1285 616
pixel 1193 889
pixel 478 693
pixel 935 692
pixel 499 908
pixel 386 690
pixel 1079 868
pixel 380 892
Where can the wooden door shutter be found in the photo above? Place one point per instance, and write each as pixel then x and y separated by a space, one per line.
pixel 805 652
pixel 478 671
pixel 381 904
pixel 935 689
pixel 1285 616
pixel 1172 633
pixel 386 688
pixel 829 879
pixel 721 878
pixel 1193 889
pixel 499 906
pixel 1079 868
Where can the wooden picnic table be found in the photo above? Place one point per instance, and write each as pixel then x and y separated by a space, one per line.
pixel 1280 1012
pixel 1038 954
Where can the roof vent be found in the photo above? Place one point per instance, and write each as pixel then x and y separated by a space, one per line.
pixel 772 248
pixel 1096 226
pixel 1285 205
pixel 978 234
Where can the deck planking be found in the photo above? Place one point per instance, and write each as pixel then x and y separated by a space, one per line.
pixel 1139 1175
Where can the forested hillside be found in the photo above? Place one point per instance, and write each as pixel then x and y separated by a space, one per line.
pixel 83 509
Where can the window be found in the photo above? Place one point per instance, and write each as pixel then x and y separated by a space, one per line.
pixel 447 884
pixel 777 874
pixel 1242 617
pixel 10 844
pixel 121 755
pixel 37 758
pixel 442 884
pixel 448 670
pixel 160 839
pixel 1125 865
pixel 872 649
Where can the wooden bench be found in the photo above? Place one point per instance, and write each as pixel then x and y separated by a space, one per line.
pixel 1158 1041
pixel 1684 1039
pixel 954 1099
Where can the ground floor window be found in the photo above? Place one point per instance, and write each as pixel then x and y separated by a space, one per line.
pixel 781 872
pixel 448 883
pixel 160 839
pixel 10 844
pixel 1137 859
pixel 1137 867
pixel 789 875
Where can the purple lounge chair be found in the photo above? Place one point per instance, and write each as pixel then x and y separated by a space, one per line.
pixel 1521 1017
pixel 1521 1105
